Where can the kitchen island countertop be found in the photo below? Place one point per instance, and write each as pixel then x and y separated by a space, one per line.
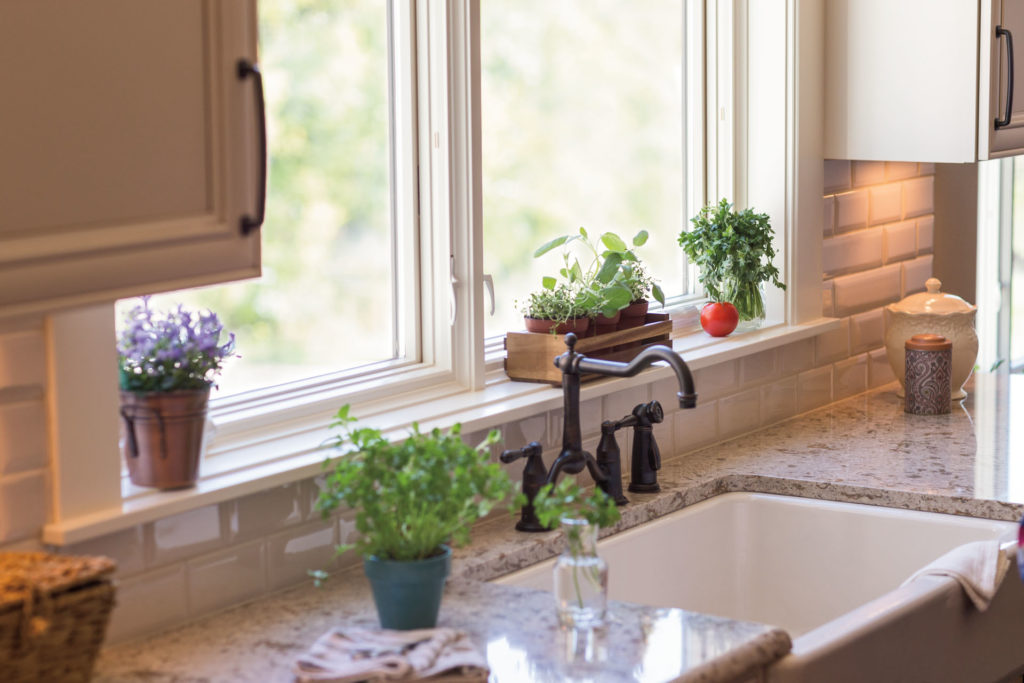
pixel 864 449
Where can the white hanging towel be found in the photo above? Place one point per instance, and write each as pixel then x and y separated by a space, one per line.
pixel 979 567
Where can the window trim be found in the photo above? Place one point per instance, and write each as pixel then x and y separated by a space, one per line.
pixel 442 55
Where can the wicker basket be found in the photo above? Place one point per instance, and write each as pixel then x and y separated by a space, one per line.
pixel 53 615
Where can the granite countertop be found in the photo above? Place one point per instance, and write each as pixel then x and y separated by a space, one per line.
pixel 864 449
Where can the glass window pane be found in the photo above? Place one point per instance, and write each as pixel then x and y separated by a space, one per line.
pixel 582 108
pixel 324 301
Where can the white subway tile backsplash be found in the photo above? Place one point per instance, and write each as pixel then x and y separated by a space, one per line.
pixel 148 603
pixel 851 252
pixel 664 391
pixel 915 273
pixel 23 505
pixel 739 413
pixel 225 578
pixel 518 434
pixel 759 367
pixel 833 345
pixel 258 514
pixel 867 331
pixel 22 437
pixel 796 357
pixel 778 400
pixel 293 553
pixel 184 535
pixel 126 547
pixel 925 234
pixel 621 403
pixel 21 359
pixel 898 170
pixel 868 173
pixel 851 211
pixel 694 428
pixel 814 388
pixel 900 241
pixel 870 289
pixel 716 380
pixel 828 216
pixel 879 370
pixel 828 307
pixel 918 196
pixel 837 175
pixel 885 204
pixel 850 377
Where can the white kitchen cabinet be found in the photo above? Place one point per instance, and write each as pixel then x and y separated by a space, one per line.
pixel 922 80
pixel 130 148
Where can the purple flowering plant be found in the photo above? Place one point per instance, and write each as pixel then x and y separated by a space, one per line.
pixel 170 351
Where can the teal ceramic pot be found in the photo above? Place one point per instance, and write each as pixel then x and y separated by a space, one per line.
pixel 408 594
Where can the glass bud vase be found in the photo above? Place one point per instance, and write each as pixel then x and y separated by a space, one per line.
pixel 581 577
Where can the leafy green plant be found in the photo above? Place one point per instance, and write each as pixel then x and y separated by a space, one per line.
pixel 601 285
pixel 641 284
pixel 412 496
pixel 733 250
pixel 558 304
pixel 567 499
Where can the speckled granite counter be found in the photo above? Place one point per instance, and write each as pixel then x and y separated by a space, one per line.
pixel 864 449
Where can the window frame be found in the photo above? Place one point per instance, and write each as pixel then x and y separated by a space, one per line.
pixel 786 86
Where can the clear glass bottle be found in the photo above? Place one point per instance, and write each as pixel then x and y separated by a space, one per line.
pixel 581 577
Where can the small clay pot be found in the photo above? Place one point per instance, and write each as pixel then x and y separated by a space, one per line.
pixel 603 324
pixel 576 325
pixel 633 315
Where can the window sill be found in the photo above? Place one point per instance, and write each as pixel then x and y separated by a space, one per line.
pixel 298 454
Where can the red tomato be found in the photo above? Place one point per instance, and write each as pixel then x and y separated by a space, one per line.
pixel 719 318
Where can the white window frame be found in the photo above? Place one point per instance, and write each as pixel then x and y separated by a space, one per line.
pixel 772 161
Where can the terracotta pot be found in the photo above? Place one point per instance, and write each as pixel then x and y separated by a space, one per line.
pixel 577 325
pixel 603 324
pixel 163 436
pixel 633 315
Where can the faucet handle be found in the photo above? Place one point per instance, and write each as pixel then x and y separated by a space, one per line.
pixel 529 450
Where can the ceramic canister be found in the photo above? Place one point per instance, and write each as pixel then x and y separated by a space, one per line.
pixel 937 313
pixel 929 362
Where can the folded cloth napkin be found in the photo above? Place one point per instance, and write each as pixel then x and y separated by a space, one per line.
pixel 344 655
pixel 979 567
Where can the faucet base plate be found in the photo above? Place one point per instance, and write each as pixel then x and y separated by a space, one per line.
pixel 644 488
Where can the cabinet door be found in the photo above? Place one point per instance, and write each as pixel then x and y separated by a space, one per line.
pixel 128 148
pixel 1008 139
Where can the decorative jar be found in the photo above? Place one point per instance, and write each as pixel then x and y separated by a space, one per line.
pixel 933 312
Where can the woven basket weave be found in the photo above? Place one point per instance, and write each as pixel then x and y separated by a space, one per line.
pixel 53 615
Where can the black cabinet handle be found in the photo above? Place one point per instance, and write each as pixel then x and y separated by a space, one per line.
pixel 246 69
pixel 1005 121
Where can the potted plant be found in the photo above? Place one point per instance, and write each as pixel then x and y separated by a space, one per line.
pixel 733 250
pixel 642 288
pixel 581 576
pixel 554 308
pixel 167 362
pixel 603 285
pixel 412 499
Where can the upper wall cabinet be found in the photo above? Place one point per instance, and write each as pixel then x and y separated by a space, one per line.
pixel 130 148
pixel 923 80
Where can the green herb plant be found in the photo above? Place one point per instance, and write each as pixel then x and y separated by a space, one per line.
pixel 413 496
pixel 559 304
pixel 733 250
pixel 601 286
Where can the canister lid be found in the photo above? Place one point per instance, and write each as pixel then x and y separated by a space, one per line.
pixel 932 301
pixel 928 342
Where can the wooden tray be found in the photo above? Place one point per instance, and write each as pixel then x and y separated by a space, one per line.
pixel 530 355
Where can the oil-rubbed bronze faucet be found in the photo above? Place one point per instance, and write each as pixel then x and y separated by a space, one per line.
pixel 572 459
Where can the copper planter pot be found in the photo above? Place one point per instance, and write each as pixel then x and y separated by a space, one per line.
pixel 163 436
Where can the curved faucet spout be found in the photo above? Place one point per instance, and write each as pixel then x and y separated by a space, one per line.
pixel 581 364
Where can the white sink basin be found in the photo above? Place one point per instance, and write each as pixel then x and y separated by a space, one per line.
pixel 796 563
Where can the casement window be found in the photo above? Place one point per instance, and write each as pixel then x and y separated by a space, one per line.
pixel 418 147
